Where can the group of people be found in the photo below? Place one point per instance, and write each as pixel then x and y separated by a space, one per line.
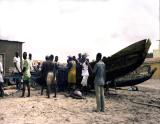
pixel 23 73
pixel 78 73
pixel 83 67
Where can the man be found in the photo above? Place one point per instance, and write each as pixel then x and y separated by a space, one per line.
pixel 26 75
pixel 48 74
pixel 17 71
pixel 31 62
pixel 79 71
pixel 56 67
pixel 1 80
pixel 99 81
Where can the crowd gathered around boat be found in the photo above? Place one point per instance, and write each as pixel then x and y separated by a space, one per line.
pixel 52 76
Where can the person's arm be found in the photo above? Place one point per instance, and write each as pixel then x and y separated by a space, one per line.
pixel 1 68
pixel 95 69
pixel 24 69
pixel 89 66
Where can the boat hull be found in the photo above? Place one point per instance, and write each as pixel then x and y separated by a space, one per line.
pixel 124 61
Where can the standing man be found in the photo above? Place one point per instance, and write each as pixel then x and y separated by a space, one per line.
pixel 26 75
pixel 48 74
pixel 31 62
pixel 99 81
pixel 1 80
pixel 56 72
pixel 17 71
pixel 79 71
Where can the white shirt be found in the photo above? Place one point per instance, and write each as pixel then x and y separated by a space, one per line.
pixel 1 70
pixel 31 65
pixel 85 69
pixel 17 61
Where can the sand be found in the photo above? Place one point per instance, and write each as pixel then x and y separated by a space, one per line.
pixel 120 107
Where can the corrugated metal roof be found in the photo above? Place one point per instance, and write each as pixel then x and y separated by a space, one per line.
pixel 11 41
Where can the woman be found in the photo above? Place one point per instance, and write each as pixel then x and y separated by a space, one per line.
pixel 71 74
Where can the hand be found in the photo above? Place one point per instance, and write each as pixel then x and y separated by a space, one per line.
pixel 21 73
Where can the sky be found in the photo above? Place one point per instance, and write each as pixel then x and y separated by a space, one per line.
pixel 69 27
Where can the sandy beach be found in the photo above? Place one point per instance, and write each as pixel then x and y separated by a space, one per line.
pixel 121 107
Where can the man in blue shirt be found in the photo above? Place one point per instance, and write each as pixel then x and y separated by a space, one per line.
pixel 99 81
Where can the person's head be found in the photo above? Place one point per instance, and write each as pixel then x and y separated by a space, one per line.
pixel 51 57
pixel 98 57
pixel 56 58
pixel 79 55
pixel 47 58
pixel 87 59
pixel 74 58
pixel 39 63
pixel 24 55
pixel 16 54
pixel 104 59
pixel 83 57
pixel 30 56
pixel 69 58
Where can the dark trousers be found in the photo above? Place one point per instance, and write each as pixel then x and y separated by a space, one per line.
pixel 26 83
pixel 17 80
pixel 100 99
pixel 1 90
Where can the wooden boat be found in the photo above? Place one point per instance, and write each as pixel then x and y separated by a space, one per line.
pixel 136 77
pixel 124 61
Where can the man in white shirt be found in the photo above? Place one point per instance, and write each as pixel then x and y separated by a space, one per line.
pixel 17 70
pixel 16 61
pixel 1 80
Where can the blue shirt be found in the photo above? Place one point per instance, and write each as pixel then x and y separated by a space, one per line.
pixel 100 72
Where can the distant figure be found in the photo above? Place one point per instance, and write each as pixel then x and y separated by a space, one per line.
pixel 85 73
pixel 48 75
pixel 1 80
pixel 56 71
pixel 71 74
pixel 56 68
pixel 31 63
pixel 74 58
pixel 17 70
pixel 79 71
pixel 39 66
pixel 43 74
pixel 26 75
pixel 99 81
pixel 79 59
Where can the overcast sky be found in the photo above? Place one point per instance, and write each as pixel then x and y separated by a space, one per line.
pixel 67 27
